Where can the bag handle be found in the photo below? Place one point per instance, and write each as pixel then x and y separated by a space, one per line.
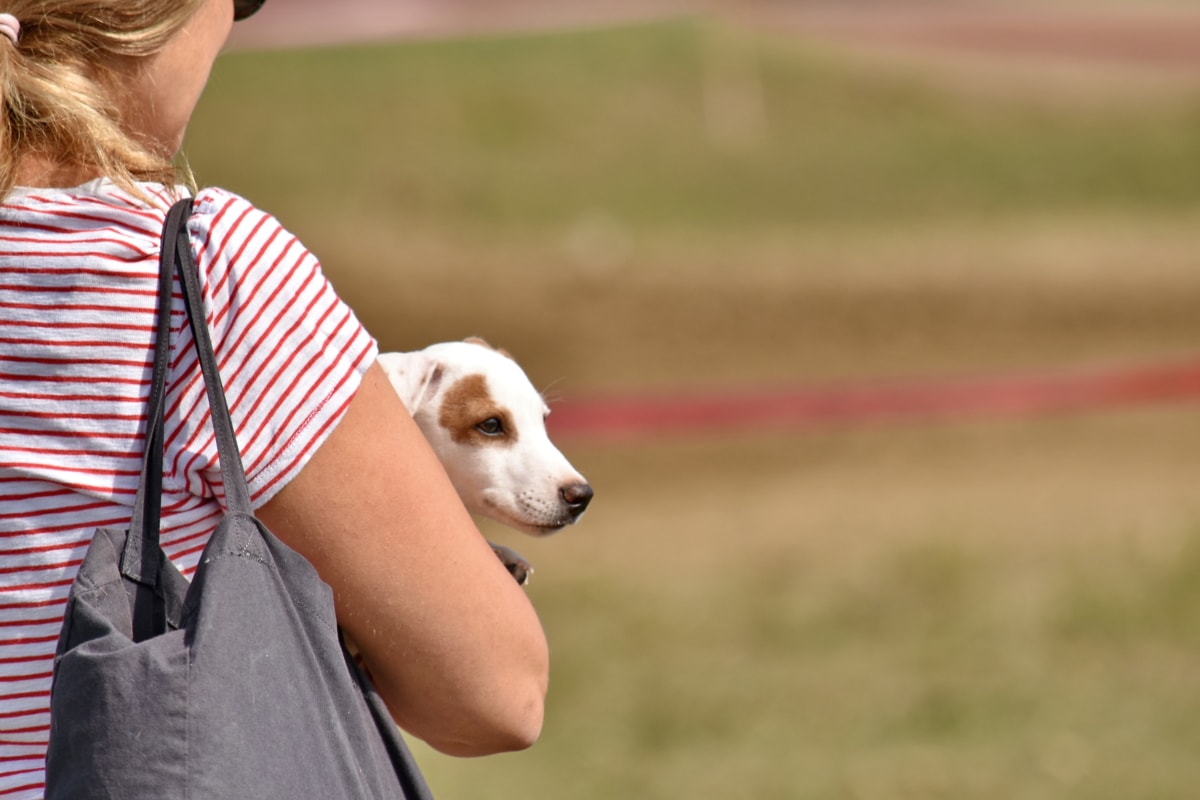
pixel 233 474
pixel 143 562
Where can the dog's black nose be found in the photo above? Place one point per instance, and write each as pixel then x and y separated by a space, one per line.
pixel 576 496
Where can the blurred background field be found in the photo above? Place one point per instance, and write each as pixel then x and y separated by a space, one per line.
pixel 1004 609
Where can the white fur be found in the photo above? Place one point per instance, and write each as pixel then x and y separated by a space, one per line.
pixel 518 477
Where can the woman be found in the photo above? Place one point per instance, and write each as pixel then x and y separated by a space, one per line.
pixel 97 95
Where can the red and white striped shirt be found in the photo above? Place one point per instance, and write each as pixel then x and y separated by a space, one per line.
pixel 78 277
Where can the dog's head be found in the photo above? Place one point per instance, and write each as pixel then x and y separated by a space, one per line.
pixel 487 424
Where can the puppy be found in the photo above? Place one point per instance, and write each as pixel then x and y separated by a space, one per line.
pixel 487 424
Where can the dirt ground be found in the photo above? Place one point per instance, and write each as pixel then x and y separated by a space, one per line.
pixel 1151 34
pixel 292 23
pixel 1142 36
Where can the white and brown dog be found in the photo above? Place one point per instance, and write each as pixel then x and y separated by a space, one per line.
pixel 487 424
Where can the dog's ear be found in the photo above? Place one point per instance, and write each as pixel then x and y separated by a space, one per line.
pixel 479 340
pixel 433 379
pixel 414 376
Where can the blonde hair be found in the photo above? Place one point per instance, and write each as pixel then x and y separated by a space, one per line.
pixel 57 85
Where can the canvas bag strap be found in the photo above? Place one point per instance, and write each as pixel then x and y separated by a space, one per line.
pixel 233 474
pixel 141 560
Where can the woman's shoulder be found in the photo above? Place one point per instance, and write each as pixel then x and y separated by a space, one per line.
pixel 221 210
pixel 227 227
pixel 213 199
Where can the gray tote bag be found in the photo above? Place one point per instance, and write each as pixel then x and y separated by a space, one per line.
pixel 236 685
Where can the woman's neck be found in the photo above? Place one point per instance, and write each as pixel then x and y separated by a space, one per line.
pixel 42 172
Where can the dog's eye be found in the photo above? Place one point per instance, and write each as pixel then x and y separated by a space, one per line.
pixel 490 427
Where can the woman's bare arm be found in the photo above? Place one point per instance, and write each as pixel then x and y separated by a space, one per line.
pixel 454 646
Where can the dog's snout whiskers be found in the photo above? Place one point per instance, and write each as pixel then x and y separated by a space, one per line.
pixel 577 496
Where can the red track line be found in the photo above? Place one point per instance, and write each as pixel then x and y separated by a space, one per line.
pixel 992 397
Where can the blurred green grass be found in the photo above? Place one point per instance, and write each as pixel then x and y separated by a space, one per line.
pixel 1000 611
pixel 993 611
pixel 870 222
pixel 529 133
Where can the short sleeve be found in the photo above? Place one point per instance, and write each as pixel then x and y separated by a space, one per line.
pixel 291 353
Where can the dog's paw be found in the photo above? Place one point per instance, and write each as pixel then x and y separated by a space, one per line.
pixel 517 566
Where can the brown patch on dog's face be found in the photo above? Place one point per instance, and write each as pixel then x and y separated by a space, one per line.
pixel 470 415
